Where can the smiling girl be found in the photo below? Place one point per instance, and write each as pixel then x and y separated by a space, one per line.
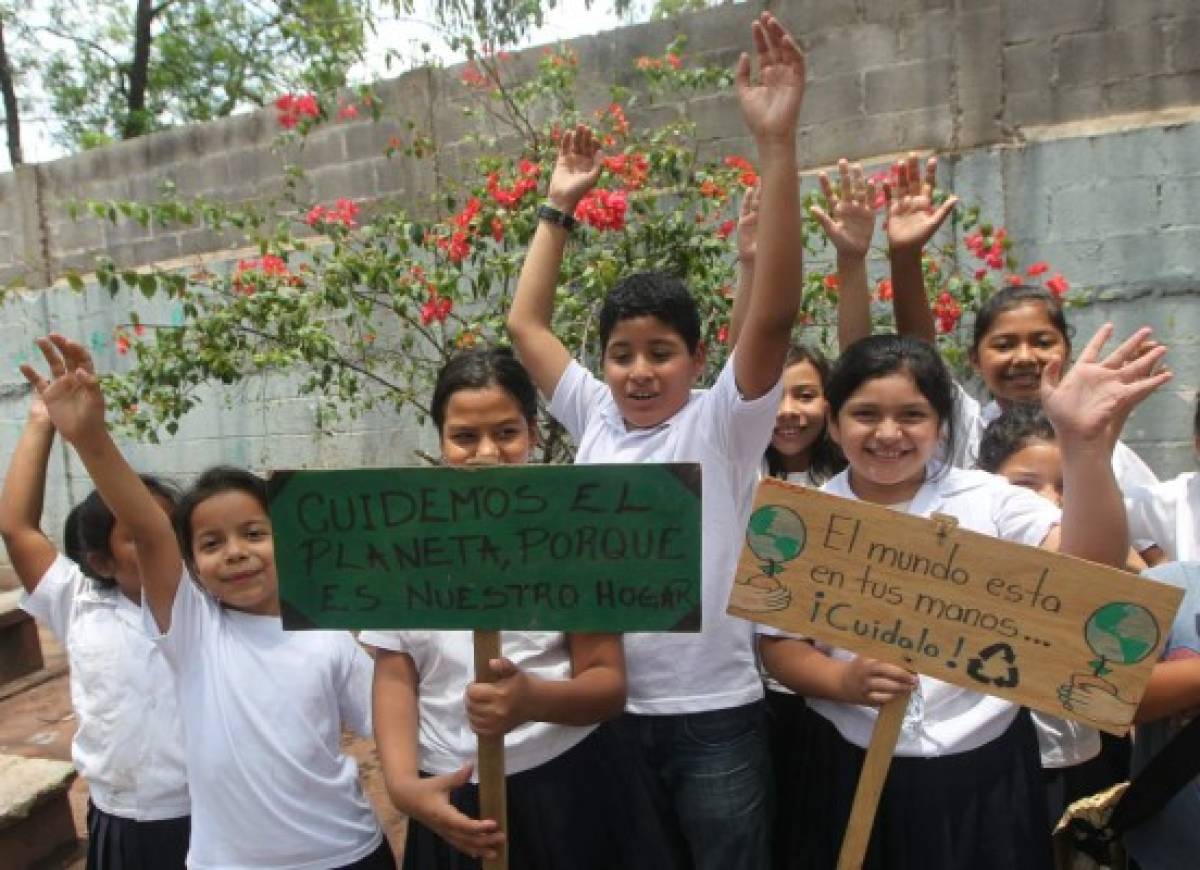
pixel 263 709
pixel 964 789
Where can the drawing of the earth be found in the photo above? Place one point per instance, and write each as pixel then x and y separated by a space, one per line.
pixel 776 534
pixel 1122 633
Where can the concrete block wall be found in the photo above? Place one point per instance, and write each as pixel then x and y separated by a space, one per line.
pixel 1076 123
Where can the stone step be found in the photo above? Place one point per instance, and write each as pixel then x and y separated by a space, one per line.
pixel 20 652
pixel 35 814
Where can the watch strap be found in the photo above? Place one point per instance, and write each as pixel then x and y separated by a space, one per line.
pixel 552 215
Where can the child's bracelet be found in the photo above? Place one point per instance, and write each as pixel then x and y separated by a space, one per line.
pixel 558 217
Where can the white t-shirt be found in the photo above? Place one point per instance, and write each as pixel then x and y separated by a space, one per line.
pixel 715 669
pixel 129 742
pixel 971 419
pixel 955 719
pixel 445 664
pixel 1168 514
pixel 263 711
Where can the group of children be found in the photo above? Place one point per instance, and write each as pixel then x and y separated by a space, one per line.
pixel 207 730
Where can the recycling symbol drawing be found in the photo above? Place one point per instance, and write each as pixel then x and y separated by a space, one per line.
pixel 982 668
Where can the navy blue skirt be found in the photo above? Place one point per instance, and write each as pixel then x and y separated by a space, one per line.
pixel 567 814
pixel 984 809
pixel 116 843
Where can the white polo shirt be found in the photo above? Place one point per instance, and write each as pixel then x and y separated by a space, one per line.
pixel 971 419
pixel 715 669
pixel 129 742
pixel 1168 514
pixel 955 719
pixel 263 711
pixel 445 663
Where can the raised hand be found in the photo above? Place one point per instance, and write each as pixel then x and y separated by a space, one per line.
pixel 1094 398
pixel 72 396
pixel 428 800
pixel 770 106
pixel 496 708
pixel 911 220
pixel 577 168
pixel 850 221
pixel 38 415
pixel 747 225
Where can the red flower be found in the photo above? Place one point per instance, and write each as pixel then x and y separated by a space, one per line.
pixel 620 124
pixel 1038 268
pixel 974 243
pixel 632 169
pixel 995 261
pixel 473 77
pixel 723 334
pixel 748 176
pixel 436 308
pixel 497 230
pixel 603 209
pixel 674 61
pixel 457 246
pixel 725 230
pixel 343 211
pixel 1058 285
pixel 267 266
pixel 831 281
pixel 711 189
pixel 122 343
pixel 139 330
pixel 980 274
pixel 508 197
pixel 883 290
pixel 464 218
pixel 292 108
pixel 646 63
pixel 946 311
pixel 348 112
pixel 1014 280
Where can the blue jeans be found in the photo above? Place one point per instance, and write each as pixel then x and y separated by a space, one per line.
pixel 706 779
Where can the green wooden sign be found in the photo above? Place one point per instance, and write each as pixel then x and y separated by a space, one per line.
pixel 517 547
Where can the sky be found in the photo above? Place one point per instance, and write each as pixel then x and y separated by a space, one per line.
pixel 567 20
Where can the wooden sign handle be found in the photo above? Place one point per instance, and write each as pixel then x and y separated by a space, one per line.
pixel 870 783
pixel 492 799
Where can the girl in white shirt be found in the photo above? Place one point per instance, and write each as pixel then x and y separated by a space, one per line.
pixel 964 789
pixel 263 709
pixel 564 806
pixel 128 742
pixel 1165 517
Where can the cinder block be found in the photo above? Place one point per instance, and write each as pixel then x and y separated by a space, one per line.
pixel 1111 55
pixel 897 8
pixel 1028 66
pixel 901 87
pixel 1183 44
pixel 832 52
pixel 833 98
pixel 1120 13
pixel 1036 19
pixel 1152 92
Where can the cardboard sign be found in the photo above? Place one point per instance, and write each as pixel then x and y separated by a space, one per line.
pixel 1051 632
pixel 520 547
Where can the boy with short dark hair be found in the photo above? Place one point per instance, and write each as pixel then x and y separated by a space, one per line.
pixel 694 712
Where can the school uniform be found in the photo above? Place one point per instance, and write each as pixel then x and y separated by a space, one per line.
pixel 263 711
pixel 565 807
pixel 964 789
pixel 694 717
pixel 128 743
pixel 1168 514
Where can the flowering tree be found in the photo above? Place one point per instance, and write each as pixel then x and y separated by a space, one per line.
pixel 365 302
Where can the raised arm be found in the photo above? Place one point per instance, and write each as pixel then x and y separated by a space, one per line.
pixel 595 691
pixel 576 171
pixel 849 225
pixel 1088 408
pixel 76 407
pixel 427 799
pixel 747 248
pixel 29 550
pixel 911 222
pixel 770 109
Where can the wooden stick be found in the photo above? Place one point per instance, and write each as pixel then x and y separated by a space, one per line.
pixel 870 783
pixel 492 795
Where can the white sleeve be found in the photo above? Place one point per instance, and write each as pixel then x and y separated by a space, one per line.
pixel 1130 469
pixel 741 428
pixel 1151 513
pixel 968 429
pixel 354 691
pixel 53 600
pixel 578 395
pixel 1022 515
pixel 191 612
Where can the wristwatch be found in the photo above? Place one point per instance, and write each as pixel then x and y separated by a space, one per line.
pixel 558 217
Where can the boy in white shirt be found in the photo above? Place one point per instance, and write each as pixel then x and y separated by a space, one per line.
pixel 694 711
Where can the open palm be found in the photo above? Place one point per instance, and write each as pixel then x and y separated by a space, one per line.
pixel 850 221
pixel 577 168
pixel 911 217
pixel 72 394
pixel 770 107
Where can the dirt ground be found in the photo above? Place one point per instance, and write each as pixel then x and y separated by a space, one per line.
pixel 36 721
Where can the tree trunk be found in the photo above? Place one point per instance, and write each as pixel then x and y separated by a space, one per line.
pixel 12 121
pixel 136 122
